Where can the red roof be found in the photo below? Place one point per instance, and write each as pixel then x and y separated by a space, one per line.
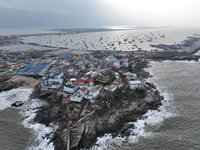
pixel 83 89
pixel 99 86
pixel 76 84
pixel 118 83
pixel 91 80
pixel 79 80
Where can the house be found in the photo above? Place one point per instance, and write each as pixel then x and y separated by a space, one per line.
pixel 125 64
pixel 84 84
pixel 137 84
pixel 76 97
pixel 71 88
pixel 91 93
pixel 53 84
pixel 85 77
pixel 91 82
pixel 131 76
pixel 54 75
pixel 99 87
pixel 117 64
pixel 93 74
pixel 71 81
pixel 118 83
pixel 82 91
pixel 111 87
pixel 94 92
pixel 57 75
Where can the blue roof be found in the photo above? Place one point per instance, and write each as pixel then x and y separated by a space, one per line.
pixel 64 55
pixel 56 73
pixel 43 57
pixel 47 73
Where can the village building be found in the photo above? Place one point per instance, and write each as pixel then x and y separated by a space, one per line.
pixel 111 87
pixel 54 75
pixel 99 87
pixel 53 84
pixel 131 76
pixel 118 83
pixel 136 84
pixel 82 91
pixel 91 93
pixel 71 86
pixel 76 97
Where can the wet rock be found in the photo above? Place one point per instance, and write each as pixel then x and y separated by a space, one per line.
pixel 6 86
pixel 92 122
pixel 17 104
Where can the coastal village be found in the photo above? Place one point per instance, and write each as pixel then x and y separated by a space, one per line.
pixel 78 77
pixel 88 94
pixel 85 76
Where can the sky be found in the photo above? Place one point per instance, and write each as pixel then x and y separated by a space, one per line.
pixel 141 12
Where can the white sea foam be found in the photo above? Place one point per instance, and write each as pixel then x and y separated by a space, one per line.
pixel 180 61
pixel 39 139
pixel 28 111
pixel 7 98
pixel 143 128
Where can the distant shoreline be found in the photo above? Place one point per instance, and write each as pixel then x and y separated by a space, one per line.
pixel 70 30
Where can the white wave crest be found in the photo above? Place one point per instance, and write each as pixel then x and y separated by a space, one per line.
pixel 39 140
pixel 7 98
pixel 142 127
pixel 181 61
pixel 28 110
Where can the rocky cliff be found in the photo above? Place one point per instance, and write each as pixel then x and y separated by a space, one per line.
pixel 81 123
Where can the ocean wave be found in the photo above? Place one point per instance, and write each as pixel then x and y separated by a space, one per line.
pixel 7 98
pixel 39 140
pixel 181 61
pixel 28 111
pixel 143 128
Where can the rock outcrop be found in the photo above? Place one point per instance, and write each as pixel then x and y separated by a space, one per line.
pixel 7 85
pixel 86 121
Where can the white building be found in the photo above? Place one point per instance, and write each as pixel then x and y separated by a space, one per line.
pixel 137 84
pixel 131 76
pixel 54 75
pixel 71 88
pixel 53 84
pixel 92 93
pixel 118 83
pixel 111 87
pixel 117 64
pixel 71 81
pixel 82 91
pixel 76 97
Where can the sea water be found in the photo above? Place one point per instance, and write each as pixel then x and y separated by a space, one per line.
pixel 175 125
pixel 18 129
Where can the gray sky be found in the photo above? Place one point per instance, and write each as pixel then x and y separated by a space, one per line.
pixel 146 12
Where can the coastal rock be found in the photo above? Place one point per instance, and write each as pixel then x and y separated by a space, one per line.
pixel 81 124
pixel 4 77
pixel 6 86
pixel 17 104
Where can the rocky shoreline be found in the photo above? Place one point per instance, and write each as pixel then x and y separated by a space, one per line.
pixel 93 119
pixel 81 123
